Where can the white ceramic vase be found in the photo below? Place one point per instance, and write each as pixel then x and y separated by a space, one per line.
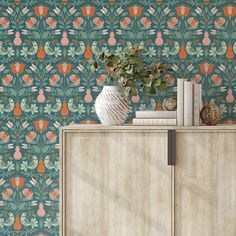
pixel 112 106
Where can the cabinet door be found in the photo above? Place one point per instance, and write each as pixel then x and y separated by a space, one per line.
pixel 116 184
pixel 205 184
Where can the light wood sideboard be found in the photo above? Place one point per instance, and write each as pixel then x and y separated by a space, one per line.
pixel 118 181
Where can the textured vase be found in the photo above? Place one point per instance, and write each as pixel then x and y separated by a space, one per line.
pixel 112 106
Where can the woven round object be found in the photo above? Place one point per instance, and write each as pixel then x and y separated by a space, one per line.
pixel 210 114
pixel 169 104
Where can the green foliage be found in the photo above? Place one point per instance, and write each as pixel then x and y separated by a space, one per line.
pixel 128 70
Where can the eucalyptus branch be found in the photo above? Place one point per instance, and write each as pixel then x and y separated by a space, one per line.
pixel 128 70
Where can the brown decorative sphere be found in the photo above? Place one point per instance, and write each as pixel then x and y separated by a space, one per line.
pixel 169 104
pixel 210 114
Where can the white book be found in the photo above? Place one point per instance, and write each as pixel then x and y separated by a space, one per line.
pixel 180 101
pixel 154 121
pixel 156 114
pixel 188 103
pixel 197 103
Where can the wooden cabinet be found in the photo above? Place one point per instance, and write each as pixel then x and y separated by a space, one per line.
pixel 112 180
pixel 116 181
pixel 205 183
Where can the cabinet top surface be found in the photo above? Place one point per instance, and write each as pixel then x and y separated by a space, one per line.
pixel 147 128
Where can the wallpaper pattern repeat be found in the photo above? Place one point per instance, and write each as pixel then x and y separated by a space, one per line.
pixel 45 82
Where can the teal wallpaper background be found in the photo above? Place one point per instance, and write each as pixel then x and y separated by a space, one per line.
pixel 45 82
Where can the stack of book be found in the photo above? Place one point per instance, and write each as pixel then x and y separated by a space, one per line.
pixel 189 103
pixel 155 118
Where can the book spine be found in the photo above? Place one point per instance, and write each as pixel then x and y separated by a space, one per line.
pixel 197 103
pixel 156 114
pixel 188 103
pixel 180 101
pixel 137 121
pixel 154 122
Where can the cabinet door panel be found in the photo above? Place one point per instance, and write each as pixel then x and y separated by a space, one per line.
pixel 116 184
pixel 205 184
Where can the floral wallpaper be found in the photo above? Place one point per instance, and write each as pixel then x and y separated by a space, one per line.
pixel 46 82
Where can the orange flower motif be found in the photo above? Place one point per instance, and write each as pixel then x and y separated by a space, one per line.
pixel 27 79
pixel 75 79
pixel 30 22
pixel 7 79
pixel 30 136
pixel 219 22
pixel 4 136
pixel 125 22
pixel 28 194
pixel 54 193
pixel 216 79
pixel 41 10
pixel 182 10
pixel 54 79
pixel 41 125
pixel 145 22
pixel 206 68
pixel 64 68
pixel 7 193
pixel 17 182
pixel 51 136
pixel 4 22
pixel 98 22
pixel 172 22
pixel 78 22
pixel 17 68
pixel 135 11
pixel 101 79
pixel 88 10
pixel 229 11
pixel 197 78
pixel 51 22
pixel 170 79
pixel 193 22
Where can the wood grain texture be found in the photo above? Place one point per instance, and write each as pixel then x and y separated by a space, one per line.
pixel 205 184
pixel 116 184
pixel 154 128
